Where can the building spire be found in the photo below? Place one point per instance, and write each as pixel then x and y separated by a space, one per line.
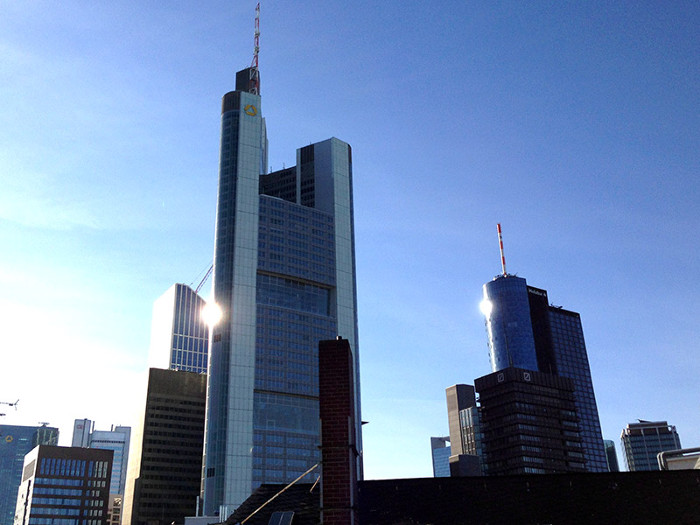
pixel 503 257
pixel 254 84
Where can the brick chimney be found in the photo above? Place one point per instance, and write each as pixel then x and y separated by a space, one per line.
pixel 338 440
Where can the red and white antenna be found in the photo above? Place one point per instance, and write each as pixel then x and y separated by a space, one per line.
pixel 254 84
pixel 503 257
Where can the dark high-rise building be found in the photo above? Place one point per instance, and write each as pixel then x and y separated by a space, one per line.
pixel 16 442
pixel 165 468
pixel 529 423
pixel 465 431
pixel 284 278
pixel 525 331
pixel 611 454
pixel 644 440
pixel 64 486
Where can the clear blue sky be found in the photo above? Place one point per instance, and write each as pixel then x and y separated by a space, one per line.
pixel 574 124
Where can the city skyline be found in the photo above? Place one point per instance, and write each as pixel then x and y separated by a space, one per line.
pixel 574 126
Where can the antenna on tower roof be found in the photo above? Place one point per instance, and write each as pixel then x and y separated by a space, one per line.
pixel 503 257
pixel 254 84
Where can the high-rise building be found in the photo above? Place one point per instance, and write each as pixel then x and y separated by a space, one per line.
pixel 440 451
pixel 644 440
pixel 529 423
pixel 179 334
pixel 17 441
pixel 64 486
pixel 166 464
pixel 284 278
pixel 525 331
pixel 611 454
pixel 117 439
pixel 465 431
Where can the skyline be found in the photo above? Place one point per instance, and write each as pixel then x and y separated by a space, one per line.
pixel 576 127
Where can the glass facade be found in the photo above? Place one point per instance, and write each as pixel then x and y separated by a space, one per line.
pixel 642 441
pixel 508 325
pixel 524 331
pixel 441 450
pixel 15 442
pixel 64 486
pixel 611 454
pixel 572 362
pixel 179 334
pixel 284 277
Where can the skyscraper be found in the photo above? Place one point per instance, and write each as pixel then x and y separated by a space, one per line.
pixel 165 468
pixel 525 331
pixel 644 440
pixel 611 454
pixel 116 439
pixel 284 277
pixel 529 423
pixel 179 334
pixel 16 442
pixel 440 451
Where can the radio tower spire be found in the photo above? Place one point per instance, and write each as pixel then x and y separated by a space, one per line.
pixel 254 84
pixel 500 243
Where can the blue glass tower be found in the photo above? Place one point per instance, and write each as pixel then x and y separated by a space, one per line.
pixel 15 442
pixel 510 337
pixel 284 277
pixel 524 331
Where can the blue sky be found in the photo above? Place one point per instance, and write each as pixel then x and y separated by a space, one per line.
pixel 574 124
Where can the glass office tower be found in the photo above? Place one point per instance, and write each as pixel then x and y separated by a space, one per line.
pixel 510 338
pixel 16 441
pixel 116 439
pixel 284 277
pixel 179 334
pixel 642 441
pixel 525 331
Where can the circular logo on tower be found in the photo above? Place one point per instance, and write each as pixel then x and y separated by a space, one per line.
pixel 250 110
pixel 9 439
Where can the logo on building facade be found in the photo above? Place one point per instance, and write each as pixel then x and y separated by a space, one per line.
pixel 250 110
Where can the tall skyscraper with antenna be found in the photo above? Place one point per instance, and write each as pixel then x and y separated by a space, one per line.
pixel 284 278
pixel 524 331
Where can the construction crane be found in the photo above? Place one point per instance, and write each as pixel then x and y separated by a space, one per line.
pixel 9 404
pixel 204 279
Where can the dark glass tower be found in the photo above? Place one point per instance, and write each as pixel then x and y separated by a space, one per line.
pixel 284 277
pixel 525 331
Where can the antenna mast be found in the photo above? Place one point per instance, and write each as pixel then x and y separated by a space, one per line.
pixel 254 84
pixel 503 257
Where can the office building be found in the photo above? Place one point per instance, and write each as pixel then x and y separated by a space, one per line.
pixel 64 486
pixel 179 334
pixel 611 455
pixel 642 442
pixel 116 439
pixel 165 469
pixel 284 278
pixel 524 331
pixel 529 423
pixel 465 431
pixel 440 451
pixel 17 441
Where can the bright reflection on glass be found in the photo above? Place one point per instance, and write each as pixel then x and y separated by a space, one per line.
pixel 486 307
pixel 211 313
